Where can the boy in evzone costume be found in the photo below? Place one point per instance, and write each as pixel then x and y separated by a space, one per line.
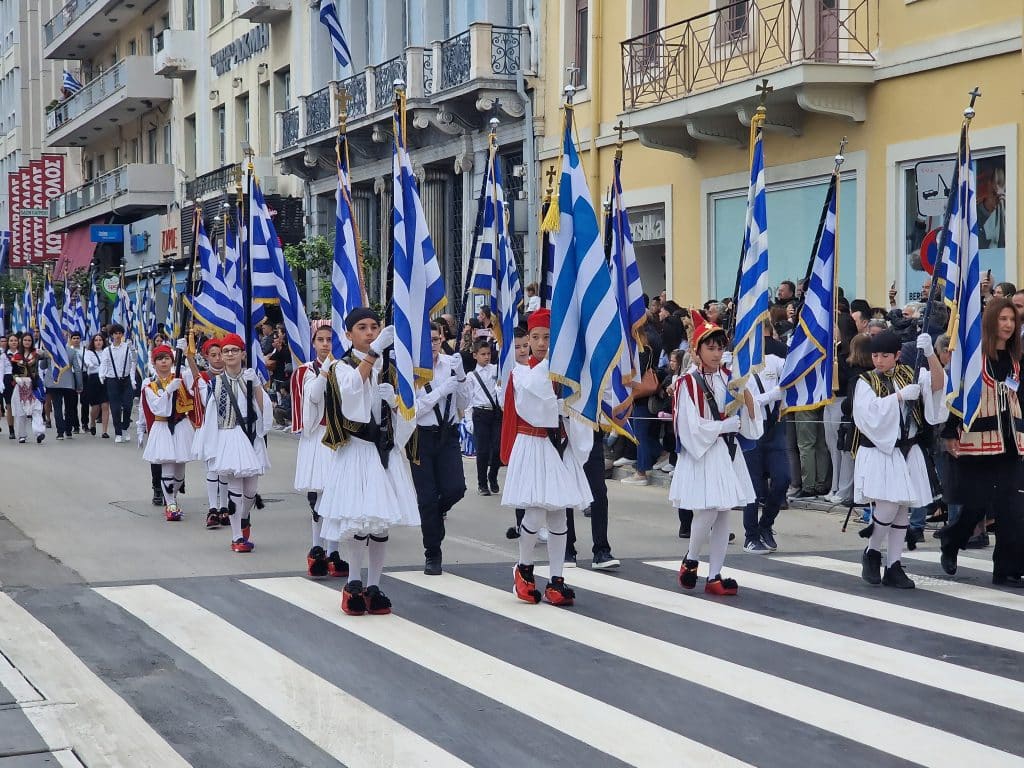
pixel 231 437
pixel 368 488
pixel 544 475
pixel 711 475
pixel 216 491
pixel 314 459
pixel 171 413
pixel 890 409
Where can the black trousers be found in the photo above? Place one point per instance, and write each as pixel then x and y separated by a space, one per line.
pixel 65 410
pixel 593 468
pixel 487 438
pixel 440 482
pixel 121 397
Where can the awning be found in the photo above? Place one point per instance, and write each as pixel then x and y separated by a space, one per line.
pixel 77 251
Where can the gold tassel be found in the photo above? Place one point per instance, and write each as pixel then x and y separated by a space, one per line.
pixel 552 217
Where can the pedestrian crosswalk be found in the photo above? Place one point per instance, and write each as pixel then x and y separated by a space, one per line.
pixel 806 666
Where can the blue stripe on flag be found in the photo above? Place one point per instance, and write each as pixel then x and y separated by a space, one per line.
pixel 50 336
pixel 347 291
pixel 329 18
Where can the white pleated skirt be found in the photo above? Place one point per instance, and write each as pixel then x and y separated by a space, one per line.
pixel 229 452
pixel 400 475
pixel 711 482
pixel 878 476
pixel 313 461
pixel 164 448
pixel 358 495
pixel 538 477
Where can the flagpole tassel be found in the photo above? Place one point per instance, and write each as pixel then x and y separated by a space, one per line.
pixel 552 217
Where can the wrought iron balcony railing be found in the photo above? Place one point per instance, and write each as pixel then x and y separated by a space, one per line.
pixel 743 40
pixel 220 180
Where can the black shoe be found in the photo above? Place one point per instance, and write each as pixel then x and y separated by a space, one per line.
pixel 871 566
pixel 40 438
pixel 495 489
pixel 92 431
pixel 915 534
pixel 768 537
pixel 483 491
pixel 225 516
pixel 947 559
pixel 257 502
pixel 569 561
pixel 316 559
pixel 432 566
pixel 377 603
pixel 106 436
pixel 977 542
pixel 732 537
pixel 895 576
pixel 802 494
pixel 684 531
pixel 587 512
pixel 604 561
pixel 1008 581
pixel 158 497
pixel 512 532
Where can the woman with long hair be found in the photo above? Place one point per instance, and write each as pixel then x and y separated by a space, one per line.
pixel 988 453
pixel 95 392
pixel 10 349
pixel 27 401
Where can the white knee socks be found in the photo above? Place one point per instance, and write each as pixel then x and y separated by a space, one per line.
pixel 377 545
pixel 354 550
pixel 557 532
pixel 710 526
pixel 533 519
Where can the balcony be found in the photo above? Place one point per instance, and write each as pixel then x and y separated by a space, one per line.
pixel 175 53
pixel 474 68
pixel 136 188
pixel 82 27
pixel 694 80
pixel 258 11
pixel 122 93
pixel 218 182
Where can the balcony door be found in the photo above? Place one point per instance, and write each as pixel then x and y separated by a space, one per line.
pixel 826 20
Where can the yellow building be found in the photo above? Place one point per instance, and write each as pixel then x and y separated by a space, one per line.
pixel 892 76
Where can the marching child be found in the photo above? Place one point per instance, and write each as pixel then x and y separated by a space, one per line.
pixel 486 415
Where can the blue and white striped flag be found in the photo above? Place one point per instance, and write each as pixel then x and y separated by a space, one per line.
pixel 138 319
pixel 752 301
pixel 5 247
pixel 28 312
pixel 418 287
pixel 272 280
pixel 172 319
pixel 625 275
pixel 495 275
pixel 149 323
pixel 79 323
pixel 586 332
pixel 233 282
pixel 17 316
pixel 51 337
pixel 329 18
pixel 961 266
pixel 807 376
pixel 70 83
pixel 210 303
pixel 94 311
pixel 3 318
pixel 347 289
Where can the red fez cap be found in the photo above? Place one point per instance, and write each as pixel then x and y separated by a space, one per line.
pixel 162 351
pixel 232 340
pixel 540 318
pixel 210 344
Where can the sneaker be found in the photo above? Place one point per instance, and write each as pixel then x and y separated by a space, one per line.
pixel 316 563
pixel 105 436
pixel 212 519
pixel 915 535
pixel 865 516
pixel 688 574
pixel 21 439
pixel 118 439
pixel 604 561
pixel 495 490
pixel 542 535
pixel 377 603
pixel 870 566
pixel 353 602
pixel 172 513
pixel 635 480
pixel 811 494
pixel 557 592
pixel 895 576
pixel 60 437
pixel 483 491
pixel 756 546
pixel 721 587
pixel 768 537
pixel 241 545
pixel 661 464
pixel 570 560
pixel 68 436
pixel 524 585
pixel 41 437
pixel 668 469
pixel 623 461
pixel 336 567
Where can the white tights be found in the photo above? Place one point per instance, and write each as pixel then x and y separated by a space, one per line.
pixel 241 497
pixel 533 520
pixel 891 523
pixel 373 546
pixel 711 526
pixel 172 477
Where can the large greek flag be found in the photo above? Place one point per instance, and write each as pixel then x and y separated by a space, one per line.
pixel 272 280
pixel 79 323
pixel 495 275
pixel 17 316
pixel 94 311
pixel 962 269
pixel 3 318
pixel 418 287
pixel 807 376
pixel 347 290
pixel 752 297
pixel 586 331
pixel 171 319
pixel 233 281
pixel 329 18
pixel 28 306
pixel 5 247
pixel 50 335
pixel 209 302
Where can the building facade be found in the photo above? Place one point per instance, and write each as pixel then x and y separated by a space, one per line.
pixel 892 76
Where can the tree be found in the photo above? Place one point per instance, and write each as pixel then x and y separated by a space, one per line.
pixel 316 254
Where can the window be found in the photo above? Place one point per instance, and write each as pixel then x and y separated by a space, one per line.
pixel 282 89
pixel 101 164
pixel 581 48
pixel 151 146
pixel 732 21
pixel 242 118
pixel 150 42
pixel 190 14
pixel 650 20
pixel 89 169
pixel 117 157
pixel 220 131
pixel 168 157
pixel 133 152
pixel 216 12
pixel 263 119
pixel 190 145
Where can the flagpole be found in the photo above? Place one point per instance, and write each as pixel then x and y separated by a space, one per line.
pixel 545 238
pixel 476 237
pixel 243 199
pixel 756 123
pixel 185 322
pixel 342 99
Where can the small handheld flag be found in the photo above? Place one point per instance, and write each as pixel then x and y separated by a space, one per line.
pixel 70 83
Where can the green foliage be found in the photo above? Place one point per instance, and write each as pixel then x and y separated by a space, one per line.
pixel 317 254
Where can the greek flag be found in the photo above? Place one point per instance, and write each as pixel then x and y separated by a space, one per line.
pixel 210 302
pixel 347 290
pixel 752 296
pixel 94 311
pixel 3 318
pixel 17 316
pixel 495 274
pixel 272 280
pixel 51 337
pixel 586 332
pixel 233 281
pixel 28 306
pixel 139 329
pixel 807 376
pixel 418 287
pixel 78 323
pixel 171 321
pixel 962 269
pixel 70 83
pixel 329 18
pixel 5 247
pixel 625 275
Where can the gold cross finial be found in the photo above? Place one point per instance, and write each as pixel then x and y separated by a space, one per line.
pixel 764 89
pixel 550 175
pixel 621 128
pixel 974 93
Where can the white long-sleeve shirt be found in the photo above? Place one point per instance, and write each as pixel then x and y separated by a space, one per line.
pixel 118 362
pixel 487 395
pixel 450 405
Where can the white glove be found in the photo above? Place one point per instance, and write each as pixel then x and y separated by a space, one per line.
pixel 384 340
pixel 727 358
pixel 387 394
pixel 448 386
pixel 326 368
pixel 730 424
pixel 250 375
pixel 173 386
pixel 773 395
pixel 139 435
pixel 181 345
pixel 924 343
pixel 458 366
pixel 910 392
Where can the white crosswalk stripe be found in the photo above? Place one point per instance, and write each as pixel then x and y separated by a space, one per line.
pixel 464 674
pixel 962 561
